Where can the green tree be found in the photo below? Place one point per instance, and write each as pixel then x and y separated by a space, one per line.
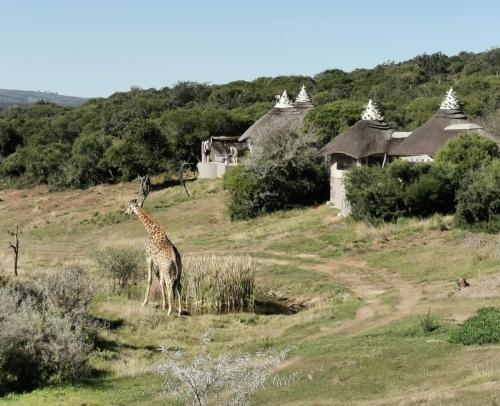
pixel 142 149
pixel 479 199
pixel 467 152
pixel 330 119
pixel 418 111
pixel 87 166
pixel 10 139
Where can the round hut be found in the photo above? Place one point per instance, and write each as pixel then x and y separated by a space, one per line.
pixel 448 122
pixel 284 118
pixel 368 141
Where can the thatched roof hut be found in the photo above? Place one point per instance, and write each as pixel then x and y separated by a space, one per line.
pixel 285 117
pixel 449 121
pixel 370 136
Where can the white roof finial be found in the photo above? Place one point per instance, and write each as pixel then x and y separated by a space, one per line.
pixel 303 97
pixel 283 102
pixel 450 101
pixel 372 112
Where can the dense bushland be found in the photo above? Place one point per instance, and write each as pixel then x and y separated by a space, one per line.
pixel 151 130
pixel 46 330
pixel 464 178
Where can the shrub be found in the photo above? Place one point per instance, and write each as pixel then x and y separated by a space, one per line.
pixel 284 171
pixel 218 284
pixel 404 189
pixel 244 191
pixel 70 290
pixel 482 328
pixel 43 338
pixel 374 195
pixel 407 172
pixel 227 379
pixel 479 199
pixel 429 323
pixel 120 266
pixel 465 153
pixel 430 193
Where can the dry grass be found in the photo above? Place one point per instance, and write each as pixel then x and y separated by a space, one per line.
pixel 129 365
pixel 404 228
pixel 218 283
pixel 391 364
pixel 483 250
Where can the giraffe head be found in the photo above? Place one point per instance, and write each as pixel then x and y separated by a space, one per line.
pixel 133 207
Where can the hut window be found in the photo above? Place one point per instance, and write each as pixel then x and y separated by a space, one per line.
pixel 374 160
pixel 344 163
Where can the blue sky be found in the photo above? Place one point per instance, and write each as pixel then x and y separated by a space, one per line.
pixel 94 48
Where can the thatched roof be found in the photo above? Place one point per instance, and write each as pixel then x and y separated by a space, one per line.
pixel 435 133
pixel 369 136
pixel 447 123
pixel 365 138
pixel 278 121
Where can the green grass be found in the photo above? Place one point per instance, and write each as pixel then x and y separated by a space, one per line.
pixel 139 390
pixel 306 256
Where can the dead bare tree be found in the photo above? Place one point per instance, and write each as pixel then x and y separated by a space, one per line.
pixel 15 247
pixel 183 165
pixel 144 188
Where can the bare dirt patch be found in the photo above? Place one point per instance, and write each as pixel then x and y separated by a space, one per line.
pixel 369 284
pixel 480 288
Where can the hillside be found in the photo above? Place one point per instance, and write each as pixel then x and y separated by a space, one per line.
pixel 152 130
pixel 9 98
pixel 364 290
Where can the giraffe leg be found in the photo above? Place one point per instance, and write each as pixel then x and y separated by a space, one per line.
pixel 168 288
pixel 178 291
pixel 150 280
pixel 162 287
pixel 176 285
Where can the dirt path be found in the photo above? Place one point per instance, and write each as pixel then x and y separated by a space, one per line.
pixel 370 285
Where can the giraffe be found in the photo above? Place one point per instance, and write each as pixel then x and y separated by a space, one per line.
pixel 162 258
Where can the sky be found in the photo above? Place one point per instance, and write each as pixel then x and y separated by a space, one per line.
pixel 95 48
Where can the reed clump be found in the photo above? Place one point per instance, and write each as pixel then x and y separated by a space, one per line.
pixel 218 284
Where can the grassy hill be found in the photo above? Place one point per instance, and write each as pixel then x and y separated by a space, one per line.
pixel 358 339
pixel 10 98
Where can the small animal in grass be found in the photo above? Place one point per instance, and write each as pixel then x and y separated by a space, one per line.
pixel 462 283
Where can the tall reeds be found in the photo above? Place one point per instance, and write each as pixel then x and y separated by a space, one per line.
pixel 217 283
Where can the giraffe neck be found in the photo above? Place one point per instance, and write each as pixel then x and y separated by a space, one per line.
pixel 150 224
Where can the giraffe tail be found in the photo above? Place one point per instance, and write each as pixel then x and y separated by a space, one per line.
pixel 176 286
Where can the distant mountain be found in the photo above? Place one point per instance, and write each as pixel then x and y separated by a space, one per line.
pixel 25 97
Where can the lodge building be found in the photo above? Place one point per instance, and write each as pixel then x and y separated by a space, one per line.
pixel 371 140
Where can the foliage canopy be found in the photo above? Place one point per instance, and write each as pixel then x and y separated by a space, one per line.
pixel 130 133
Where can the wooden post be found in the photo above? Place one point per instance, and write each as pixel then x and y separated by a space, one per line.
pixel 15 247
